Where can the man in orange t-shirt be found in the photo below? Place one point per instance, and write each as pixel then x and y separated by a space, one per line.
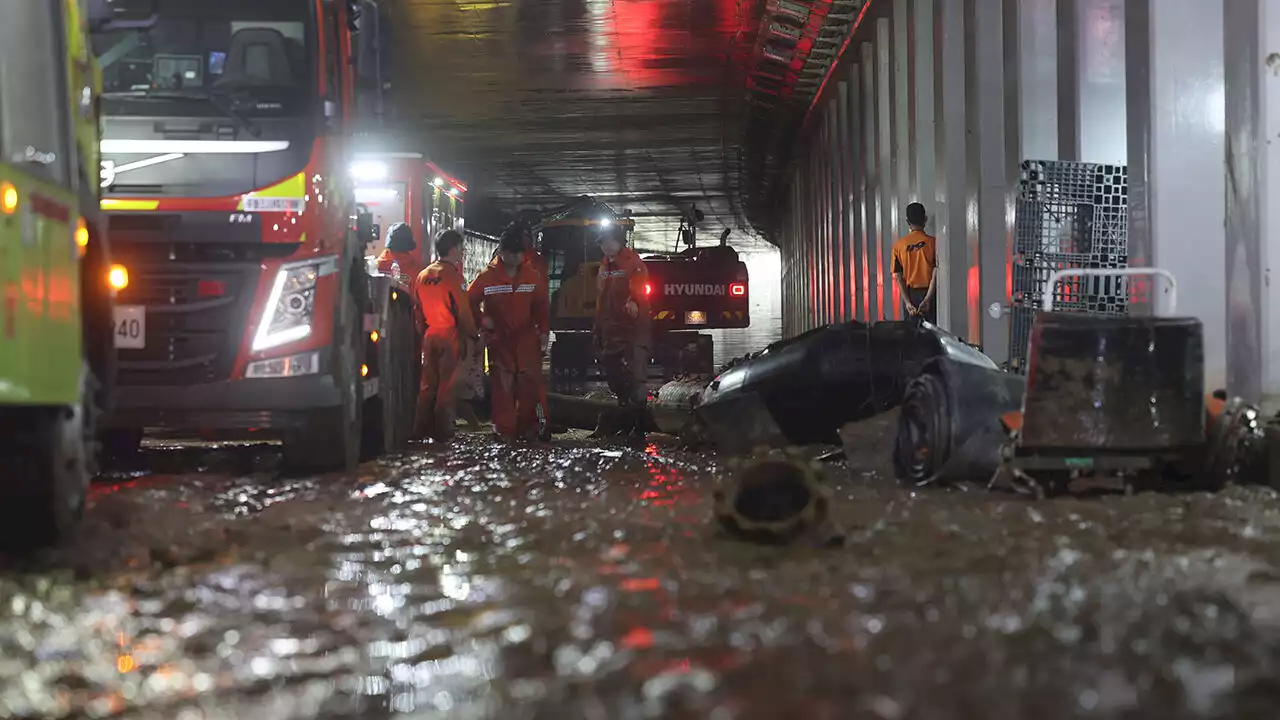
pixel 915 266
pixel 510 298
pixel 450 337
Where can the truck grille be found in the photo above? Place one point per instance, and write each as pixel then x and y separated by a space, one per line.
pixel 191 336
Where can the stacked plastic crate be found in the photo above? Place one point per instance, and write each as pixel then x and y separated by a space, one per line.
pixel 1069 215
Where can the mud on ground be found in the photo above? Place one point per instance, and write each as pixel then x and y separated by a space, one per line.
pixel 490 580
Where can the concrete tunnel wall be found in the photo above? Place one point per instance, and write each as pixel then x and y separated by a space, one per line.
pixel 941 100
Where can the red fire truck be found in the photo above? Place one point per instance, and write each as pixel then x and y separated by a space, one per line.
pixel 405 187
pixel 226 157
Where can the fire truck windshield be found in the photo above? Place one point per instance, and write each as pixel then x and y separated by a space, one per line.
pixel 254 57
pixel 210 98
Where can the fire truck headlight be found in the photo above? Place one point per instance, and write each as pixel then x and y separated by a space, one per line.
pixel 291 304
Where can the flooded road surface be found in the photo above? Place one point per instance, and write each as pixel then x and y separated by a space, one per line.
pixel 496 581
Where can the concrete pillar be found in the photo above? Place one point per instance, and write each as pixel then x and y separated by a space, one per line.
pixel 871 142
pixel 1176 150
pixel 887 161
pixel 1252 104
pixel 993 231
pixel 953 167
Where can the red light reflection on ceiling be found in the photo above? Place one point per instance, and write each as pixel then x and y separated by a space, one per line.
pixel 634 29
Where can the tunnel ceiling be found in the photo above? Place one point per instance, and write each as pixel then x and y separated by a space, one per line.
pixel 649 105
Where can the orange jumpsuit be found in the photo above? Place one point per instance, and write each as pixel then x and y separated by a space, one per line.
pixel 624 342
pixel 450 323
pixel 536 260
pixel 519 308
pixel 409 265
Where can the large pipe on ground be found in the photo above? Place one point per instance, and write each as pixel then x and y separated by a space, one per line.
pixel 949 427
pixel 803 390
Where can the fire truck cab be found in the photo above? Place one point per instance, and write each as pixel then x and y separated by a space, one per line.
pixel 226 164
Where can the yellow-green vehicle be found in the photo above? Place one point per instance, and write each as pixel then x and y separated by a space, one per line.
pixel 56 281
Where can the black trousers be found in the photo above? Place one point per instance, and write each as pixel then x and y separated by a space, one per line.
pixel 916 296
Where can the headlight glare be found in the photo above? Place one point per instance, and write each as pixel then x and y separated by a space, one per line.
pixel 291 304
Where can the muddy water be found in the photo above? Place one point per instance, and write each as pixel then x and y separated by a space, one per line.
pixel 584 582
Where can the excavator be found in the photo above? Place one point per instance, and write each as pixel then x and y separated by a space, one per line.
pixel 690 291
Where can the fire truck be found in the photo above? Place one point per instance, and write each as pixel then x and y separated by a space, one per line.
pixel 56 281
pixel 691 290
pixel 405 187
pixel 227 188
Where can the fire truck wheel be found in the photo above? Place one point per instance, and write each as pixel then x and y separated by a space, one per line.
pixel 331 439
pixel 50 456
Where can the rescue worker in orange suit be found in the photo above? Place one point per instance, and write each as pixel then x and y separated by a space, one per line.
pixel 450 337
pixel 538 262
pixel 400 250
pixel 915 267
pixel 622 331
pixel 531 255
pixel 511 300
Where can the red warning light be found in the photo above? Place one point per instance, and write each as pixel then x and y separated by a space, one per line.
pixel 738 289
pixel 648 289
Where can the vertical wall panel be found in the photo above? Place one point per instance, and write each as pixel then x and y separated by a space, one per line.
pixel 1246 85
pixel 824 214
pixel 887 194
pixel 903 112
pixel 953 167
pixel 835 150
pixel 973 178
pixel 925 130
pixel 857 190
pixel 831 158
pixel 1038 78
pixel 994 216
pixel 1177 132
pixel 871 231
pixel 848 307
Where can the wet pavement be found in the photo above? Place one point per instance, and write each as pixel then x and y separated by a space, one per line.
pixel 584 581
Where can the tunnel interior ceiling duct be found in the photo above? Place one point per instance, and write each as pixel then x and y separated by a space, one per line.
pixel 645 104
